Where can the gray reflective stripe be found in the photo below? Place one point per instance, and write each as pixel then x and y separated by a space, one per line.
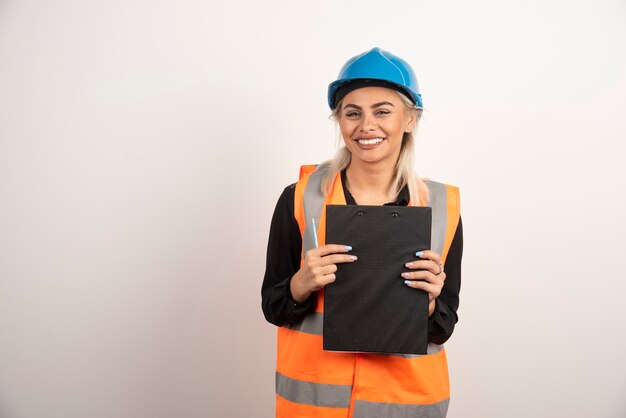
pixel 310 393
pixel 313 204
pixel 312 323
pixel 364 409
pixel 431 349
pixel 438 200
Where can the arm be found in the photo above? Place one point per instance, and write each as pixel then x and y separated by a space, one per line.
pixel 284 250
pixel 441 322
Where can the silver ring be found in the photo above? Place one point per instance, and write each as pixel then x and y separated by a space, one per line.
pixel 440 270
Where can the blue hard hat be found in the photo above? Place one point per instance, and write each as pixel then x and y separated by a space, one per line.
pixel 376 67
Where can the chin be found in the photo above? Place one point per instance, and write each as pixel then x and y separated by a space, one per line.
pixel 369 159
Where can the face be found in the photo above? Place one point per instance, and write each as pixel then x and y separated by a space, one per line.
pixel 373 121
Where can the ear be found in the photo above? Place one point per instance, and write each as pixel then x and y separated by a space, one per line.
pixel 411 121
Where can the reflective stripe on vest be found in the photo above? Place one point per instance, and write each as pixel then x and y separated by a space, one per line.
pixel 338 396
pixel 316 383
pixel 310 393
pixel 365 409
pixel 313 204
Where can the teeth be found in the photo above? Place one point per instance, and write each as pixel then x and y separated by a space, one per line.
pixel 370 141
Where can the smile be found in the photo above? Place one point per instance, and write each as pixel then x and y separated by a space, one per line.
pixel 370 141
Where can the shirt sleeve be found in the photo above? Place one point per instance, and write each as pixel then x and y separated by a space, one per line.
pixel 284 250
pixel 441 323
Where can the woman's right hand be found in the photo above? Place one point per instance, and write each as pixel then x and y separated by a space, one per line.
pixel 318 269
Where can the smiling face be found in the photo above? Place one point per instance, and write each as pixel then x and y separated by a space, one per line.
pixel 373 121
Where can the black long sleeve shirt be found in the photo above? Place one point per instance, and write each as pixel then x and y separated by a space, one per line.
pixel 283 261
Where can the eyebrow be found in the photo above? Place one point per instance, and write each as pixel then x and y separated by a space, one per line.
pixel 375 105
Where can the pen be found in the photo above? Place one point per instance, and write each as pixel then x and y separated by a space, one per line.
pixel 314 233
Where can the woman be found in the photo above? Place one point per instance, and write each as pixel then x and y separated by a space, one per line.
pixel 377 105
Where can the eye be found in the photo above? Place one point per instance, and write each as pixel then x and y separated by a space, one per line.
pixel 352 114
pixel 382 112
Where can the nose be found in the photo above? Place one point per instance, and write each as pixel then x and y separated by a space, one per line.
pixel 369 124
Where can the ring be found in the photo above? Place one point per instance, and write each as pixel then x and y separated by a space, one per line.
pixel 440 270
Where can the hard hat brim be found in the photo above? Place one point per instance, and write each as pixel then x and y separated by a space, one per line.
pixel 338 89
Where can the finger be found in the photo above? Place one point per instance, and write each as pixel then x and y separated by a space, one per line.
pixel 325 280
pixel 420 264
pixel 428 278
pixel 329 269
pixel 336 258
pixel 431 260
pixel 426 265
pixel 421 275
pixel 435 268
pixel 314 265
pixel 418 284
pixel 329 249
pixel 430 255
pixel 432 290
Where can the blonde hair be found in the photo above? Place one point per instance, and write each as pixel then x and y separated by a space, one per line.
pixel 405 173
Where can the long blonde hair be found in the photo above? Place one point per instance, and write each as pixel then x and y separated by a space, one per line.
pixel 405 173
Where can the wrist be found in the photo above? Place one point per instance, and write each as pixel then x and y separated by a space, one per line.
pixel 298 294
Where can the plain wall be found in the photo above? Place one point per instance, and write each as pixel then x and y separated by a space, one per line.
pixel 143 146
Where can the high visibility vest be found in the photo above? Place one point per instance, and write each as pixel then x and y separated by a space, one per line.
pixel 311 382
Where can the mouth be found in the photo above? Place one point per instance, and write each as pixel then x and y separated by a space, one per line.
pixel 369 141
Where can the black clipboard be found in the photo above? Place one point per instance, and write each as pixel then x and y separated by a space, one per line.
pixel 369 308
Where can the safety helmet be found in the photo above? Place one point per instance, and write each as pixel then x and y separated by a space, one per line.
pixel 375 67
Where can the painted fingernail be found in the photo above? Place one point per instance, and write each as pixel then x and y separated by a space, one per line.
pixel 353 257
pixel 405 274
pixel 407 282
pixel 408 265
pixel 348 248
pixel 419 253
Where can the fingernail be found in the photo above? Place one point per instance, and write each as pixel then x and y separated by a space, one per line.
pixel 408 265
pixel 419 253
pixel 407 282
pixel 353 257
pixel 348 248
pixel 405 274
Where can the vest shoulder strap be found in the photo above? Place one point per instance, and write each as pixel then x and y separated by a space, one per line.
pixel 313 202
pixel 444 199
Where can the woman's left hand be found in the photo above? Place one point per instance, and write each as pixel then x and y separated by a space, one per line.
pixel 429 277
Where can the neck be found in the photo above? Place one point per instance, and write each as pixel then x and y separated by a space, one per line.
pixel 372 183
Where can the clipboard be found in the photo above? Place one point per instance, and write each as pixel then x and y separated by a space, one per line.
pixel 369 308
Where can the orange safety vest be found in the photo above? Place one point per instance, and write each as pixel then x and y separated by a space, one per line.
pixel 311 382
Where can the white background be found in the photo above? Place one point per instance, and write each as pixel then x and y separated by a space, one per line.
pixel 143 146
